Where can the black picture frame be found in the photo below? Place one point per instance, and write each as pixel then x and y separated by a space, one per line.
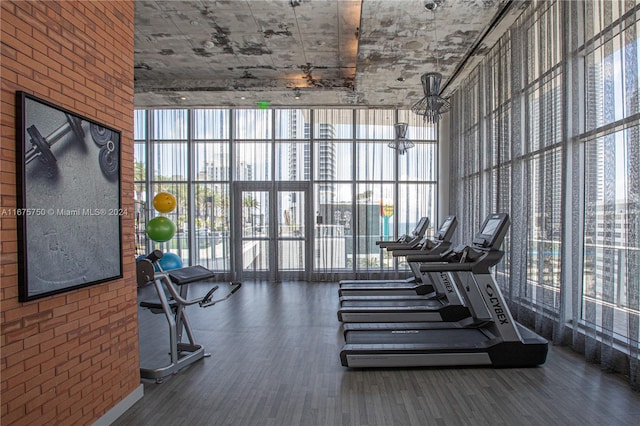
pixel 68 200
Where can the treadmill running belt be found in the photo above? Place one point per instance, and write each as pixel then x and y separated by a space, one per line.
pixel 378 303
pixel 452 337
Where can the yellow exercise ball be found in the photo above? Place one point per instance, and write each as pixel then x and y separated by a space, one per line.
pixel 164 202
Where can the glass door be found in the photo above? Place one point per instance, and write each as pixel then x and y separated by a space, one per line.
pixel 271 230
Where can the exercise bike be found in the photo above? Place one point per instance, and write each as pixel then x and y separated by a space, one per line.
pixel 172 289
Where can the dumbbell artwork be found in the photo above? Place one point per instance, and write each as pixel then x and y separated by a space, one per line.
pixel 42 145
pixel 100 135
pixel 108 156
pixel 104 138
pixel 108 159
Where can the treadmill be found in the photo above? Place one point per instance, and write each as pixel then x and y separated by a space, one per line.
pixel 499 342
pixel 441 242
pixel 416 234
pixel 476 314
pixel 448 306
pixel 411 241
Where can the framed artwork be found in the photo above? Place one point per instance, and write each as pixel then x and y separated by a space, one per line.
pixel 68 200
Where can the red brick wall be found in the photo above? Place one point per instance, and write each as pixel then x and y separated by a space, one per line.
pixel 69 358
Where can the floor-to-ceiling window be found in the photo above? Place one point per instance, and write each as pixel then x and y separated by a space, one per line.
pixel 209 156
pixel 546 128
pixel 280 193
pixel 611 147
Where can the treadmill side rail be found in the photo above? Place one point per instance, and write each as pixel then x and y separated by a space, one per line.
pixel 415 360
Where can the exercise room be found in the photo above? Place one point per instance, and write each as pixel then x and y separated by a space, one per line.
pixel 320 212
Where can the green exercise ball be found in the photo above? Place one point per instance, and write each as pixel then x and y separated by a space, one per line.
pixel 161 229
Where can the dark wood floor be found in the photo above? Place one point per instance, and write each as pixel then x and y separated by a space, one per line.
pixel 275 362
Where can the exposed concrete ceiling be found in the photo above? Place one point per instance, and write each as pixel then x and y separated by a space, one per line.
pixel 360 53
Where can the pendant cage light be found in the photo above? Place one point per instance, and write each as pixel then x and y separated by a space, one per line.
pixel 432 106
pixel 401 143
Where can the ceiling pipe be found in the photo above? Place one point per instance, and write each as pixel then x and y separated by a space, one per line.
pixel 472 52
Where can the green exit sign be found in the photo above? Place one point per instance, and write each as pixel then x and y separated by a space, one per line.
pixel 263 105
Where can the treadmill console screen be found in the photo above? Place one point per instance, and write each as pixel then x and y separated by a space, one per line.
pixel 491 227
pixel 421 227
pixel 493 231
pixel 442 232
pixel 445 226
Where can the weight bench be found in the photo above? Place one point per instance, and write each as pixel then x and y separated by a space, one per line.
pixel 172 289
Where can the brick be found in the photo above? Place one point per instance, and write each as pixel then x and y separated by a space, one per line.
pixel 20 357
pixel 53 343
pixel 11 326
pixel 65 347
pixel 10 20
pixel 22 333
pixel 10 294
pixel 40 47
pixel 33 416
pixel 38 338
pixel 61 405
pixel 65 328
pixel 39 379
pixel 69 383
pixel 37 318
pixel 75 418
pixel 90 352
pixel 88 337
pixel 38 359
pixel 51 10
pixel 78 295
pixel 8 52
pixel 20 64
pixel 59 77
pixel 11 349
pixel 47 417
pixel 45 81
pixel 63 59
pixel 12 393
pixel 102 408
pixel 76 389
pixel 83 364
pixel 49 303
pixel 65 309
pixel 67 365
pixel 22 399
pixel 14 416
pixel 79 331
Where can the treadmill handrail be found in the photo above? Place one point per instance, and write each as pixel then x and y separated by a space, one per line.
pixel 415 243
pixel 430 249
pixel 406 243
pixel 425 258
pixel 408 252
pixel 446 267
